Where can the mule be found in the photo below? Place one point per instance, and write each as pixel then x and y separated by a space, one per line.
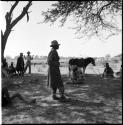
pixel 81 63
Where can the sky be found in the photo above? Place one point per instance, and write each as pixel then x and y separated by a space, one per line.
pixel 36 37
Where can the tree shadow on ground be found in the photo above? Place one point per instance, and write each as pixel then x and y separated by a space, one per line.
pixel 79 105
pixel 108 88
pixel 76 102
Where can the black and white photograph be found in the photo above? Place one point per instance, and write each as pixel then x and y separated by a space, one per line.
pixel 61 62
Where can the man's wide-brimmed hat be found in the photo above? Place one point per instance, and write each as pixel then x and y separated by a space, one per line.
pixel 28 52
pixel 54 43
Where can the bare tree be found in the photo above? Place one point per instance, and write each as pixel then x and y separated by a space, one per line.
pixel 10 23
pixel 91 17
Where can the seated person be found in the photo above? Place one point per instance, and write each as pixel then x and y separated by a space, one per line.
pixel 80 75
pixel 6 99
pixel 11 69
pixel 77 74
pixel 74 73
pixel 108 72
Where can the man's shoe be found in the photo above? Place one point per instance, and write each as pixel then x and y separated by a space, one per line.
pixel 55 97
pixel 62 97
pixel 33 101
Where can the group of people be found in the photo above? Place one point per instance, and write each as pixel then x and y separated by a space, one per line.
pixel 54 76
pixel 20 69
pixel 20 63
pixel 6 81
pixel 7 72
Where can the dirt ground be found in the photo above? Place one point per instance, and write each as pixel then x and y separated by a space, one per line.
pixel 96 101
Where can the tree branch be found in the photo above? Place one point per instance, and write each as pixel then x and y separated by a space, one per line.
pixel 100 10
pixel 24 12
pixel 13 7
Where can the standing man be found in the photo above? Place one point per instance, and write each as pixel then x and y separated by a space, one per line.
pixel 28 63
pixel 54 75
pixel 20 65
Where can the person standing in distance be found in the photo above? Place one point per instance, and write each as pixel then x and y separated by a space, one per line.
pixel 54 76
pixel 20 65
pixel 28 62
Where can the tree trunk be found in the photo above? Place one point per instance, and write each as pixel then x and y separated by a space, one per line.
pixel 4 38
pixel 3 48
pixel 11 23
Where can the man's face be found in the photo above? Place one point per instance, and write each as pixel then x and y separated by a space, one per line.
pixel 107 66
pixel 57 47
pixel 21 55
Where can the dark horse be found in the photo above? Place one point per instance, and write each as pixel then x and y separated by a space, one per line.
pixel 81 63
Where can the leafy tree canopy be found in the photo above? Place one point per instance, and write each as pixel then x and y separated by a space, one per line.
pixel 89 17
